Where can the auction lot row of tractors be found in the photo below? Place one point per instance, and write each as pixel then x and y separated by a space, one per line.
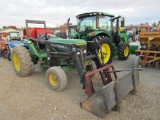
pixel 89 50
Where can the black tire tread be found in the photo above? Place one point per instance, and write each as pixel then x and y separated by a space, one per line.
pixel 121 51
pixel 102 40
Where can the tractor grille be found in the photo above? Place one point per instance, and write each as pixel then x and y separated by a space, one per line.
pixel 83 49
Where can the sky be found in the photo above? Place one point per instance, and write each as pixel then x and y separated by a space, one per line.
pixel 56 12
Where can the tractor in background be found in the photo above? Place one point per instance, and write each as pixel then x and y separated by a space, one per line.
pixel 2 47
pixel 32 51
pixel 33 32
pixel 103 38
pixel 7 38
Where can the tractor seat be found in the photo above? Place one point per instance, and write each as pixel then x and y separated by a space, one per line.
pixel 41 39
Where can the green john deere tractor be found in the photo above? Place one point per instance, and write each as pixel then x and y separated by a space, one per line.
pixel 104 39
pixel 59 55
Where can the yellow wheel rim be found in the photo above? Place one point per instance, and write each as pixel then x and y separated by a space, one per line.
pixel 16 62
pixel 53 79
pixel 126 51
pixel 105 54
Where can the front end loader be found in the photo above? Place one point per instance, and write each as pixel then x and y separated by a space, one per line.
pixel 72 53
pixel 65 53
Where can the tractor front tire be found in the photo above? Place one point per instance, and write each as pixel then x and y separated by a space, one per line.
pixel 56 78
pixel 104 50
pixel 21 61
pixel 123 51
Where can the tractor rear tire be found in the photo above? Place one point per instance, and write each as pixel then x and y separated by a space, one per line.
pixel 22 63
pixel 56 78
pixel 123 51
pixel 104 49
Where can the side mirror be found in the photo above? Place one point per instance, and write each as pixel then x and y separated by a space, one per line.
pixel 68 29
pixel 122 21
pixel 68 20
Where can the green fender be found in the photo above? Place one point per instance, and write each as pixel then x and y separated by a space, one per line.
pixel 92 34
pixel 34 51
pixel 123 34
pixel 95 33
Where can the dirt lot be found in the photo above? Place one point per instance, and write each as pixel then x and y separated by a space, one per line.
pixel 29 98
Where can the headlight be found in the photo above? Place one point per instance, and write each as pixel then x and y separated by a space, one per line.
pixel 74 49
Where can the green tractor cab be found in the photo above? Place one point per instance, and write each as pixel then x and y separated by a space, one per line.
pixel 104 39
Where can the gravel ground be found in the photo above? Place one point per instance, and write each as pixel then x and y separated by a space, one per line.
pixel 29 98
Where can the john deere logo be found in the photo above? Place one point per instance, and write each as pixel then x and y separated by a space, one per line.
pixel 59 46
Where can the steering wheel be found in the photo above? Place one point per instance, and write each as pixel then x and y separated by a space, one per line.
pixel 88 29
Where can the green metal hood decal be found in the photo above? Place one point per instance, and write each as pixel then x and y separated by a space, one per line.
pixel 69 41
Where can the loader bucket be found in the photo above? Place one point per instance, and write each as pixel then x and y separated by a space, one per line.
pixel 110 95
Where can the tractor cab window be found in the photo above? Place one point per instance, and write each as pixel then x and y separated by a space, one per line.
pixel 87 23
pixel 15 35
pixel 104 23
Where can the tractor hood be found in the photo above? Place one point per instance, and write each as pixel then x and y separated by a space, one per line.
pixel 69 41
